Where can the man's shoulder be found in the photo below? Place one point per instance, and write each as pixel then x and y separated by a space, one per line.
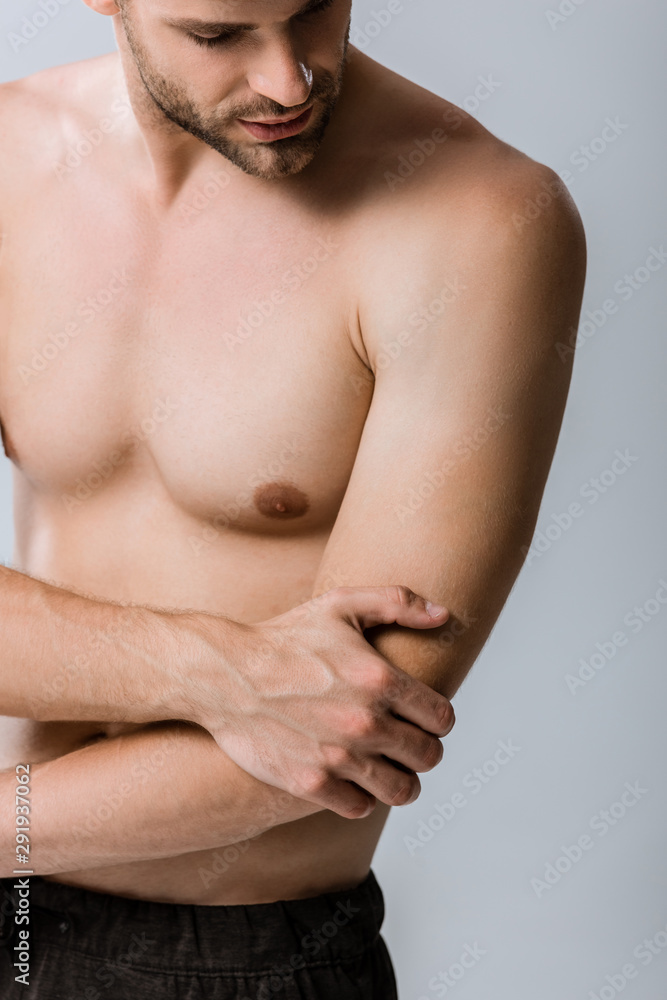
pixel 456 208
pixel 438 168
pixel 36 109
pixel 55 85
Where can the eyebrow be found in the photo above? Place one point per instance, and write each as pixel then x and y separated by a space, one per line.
pixel 225 27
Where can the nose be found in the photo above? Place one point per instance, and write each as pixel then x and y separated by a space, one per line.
pixel 281 73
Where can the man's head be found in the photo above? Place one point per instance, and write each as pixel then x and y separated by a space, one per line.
pixel 223 69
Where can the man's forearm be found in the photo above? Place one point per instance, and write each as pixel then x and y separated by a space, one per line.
pixel 165 790
pixel 67 657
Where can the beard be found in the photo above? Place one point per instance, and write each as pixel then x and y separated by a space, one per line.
pixel 267 160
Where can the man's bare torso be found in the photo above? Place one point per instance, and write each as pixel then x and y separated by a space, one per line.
pixel 183 384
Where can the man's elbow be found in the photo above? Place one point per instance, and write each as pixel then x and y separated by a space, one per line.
pixel 440 658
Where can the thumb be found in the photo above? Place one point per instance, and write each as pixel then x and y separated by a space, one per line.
pixel 364 607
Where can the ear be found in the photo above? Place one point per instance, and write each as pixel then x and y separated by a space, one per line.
pixel 107 7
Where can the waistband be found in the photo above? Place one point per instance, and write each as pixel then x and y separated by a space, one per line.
pixel 319 930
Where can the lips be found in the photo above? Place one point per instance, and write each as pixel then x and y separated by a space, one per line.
pixel 277 130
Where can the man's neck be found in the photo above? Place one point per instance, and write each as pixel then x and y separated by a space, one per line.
pixel 172 156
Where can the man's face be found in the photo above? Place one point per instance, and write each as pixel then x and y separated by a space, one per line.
pixel 223 69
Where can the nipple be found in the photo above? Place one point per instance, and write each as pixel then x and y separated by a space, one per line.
pixel 280 500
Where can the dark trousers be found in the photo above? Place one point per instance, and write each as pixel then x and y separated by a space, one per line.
pixel 86 945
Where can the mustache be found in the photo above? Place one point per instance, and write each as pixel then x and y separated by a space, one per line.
pixel 324 87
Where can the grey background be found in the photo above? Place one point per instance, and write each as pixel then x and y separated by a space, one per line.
pixel 470 884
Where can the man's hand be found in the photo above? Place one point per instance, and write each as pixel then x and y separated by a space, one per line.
pixel 315 710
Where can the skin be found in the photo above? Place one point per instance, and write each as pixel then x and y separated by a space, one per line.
pixel 262 451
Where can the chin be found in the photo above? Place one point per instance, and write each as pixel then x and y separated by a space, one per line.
pixel 270 161
pixel 269 169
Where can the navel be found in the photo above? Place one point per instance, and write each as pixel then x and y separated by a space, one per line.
pixel 281 500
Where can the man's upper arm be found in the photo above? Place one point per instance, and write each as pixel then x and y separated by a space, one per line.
pixel 461 326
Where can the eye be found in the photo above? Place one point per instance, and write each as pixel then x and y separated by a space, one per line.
pixel 320 8
pixel 216 40
pixel 213 41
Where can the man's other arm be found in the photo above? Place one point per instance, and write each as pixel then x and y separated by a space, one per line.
pixel 466 409
pixel 170 789
pixel 163 790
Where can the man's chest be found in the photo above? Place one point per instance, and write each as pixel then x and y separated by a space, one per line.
pixel 216 360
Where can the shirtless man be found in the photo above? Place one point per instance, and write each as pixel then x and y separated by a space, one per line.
pixel 278 343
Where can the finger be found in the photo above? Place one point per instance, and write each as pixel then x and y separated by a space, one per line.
pixel 411 747
pixel 390 784
pixel 337 794
pixel 365 607
pixel 418 703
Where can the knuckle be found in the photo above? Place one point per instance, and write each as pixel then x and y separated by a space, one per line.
pixel 361 724
pixel 328 600
pixel 396 684
pixel 365 771
pixel 377 677
pixel 338 757
pixel 403 595
pixel 314 782
pixel 340 593
pixel 401 793
pixel 358 810
pixel 295 786
pixel 432 753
